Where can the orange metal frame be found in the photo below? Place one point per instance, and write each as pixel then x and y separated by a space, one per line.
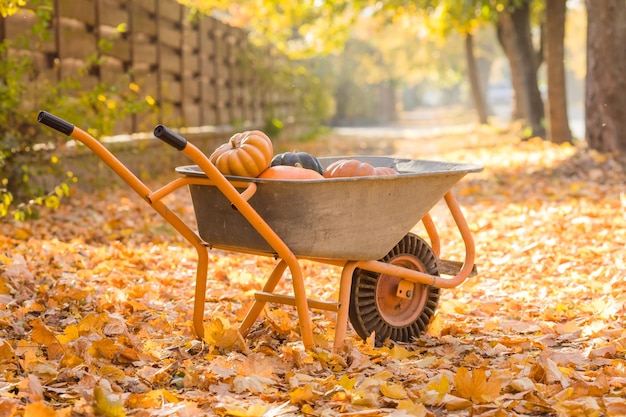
pixel 287 259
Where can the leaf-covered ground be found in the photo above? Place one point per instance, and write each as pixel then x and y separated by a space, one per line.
pixel 96 298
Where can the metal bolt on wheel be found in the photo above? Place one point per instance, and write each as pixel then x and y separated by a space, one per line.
pixel 379 304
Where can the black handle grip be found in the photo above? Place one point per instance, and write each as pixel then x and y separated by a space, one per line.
pixel 55 122
pixel 169 137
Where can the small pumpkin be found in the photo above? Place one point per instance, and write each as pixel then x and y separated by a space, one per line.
pixel 349 168
pixel 288 172
pixel 246 154
pixel 298 159
pixel 385 171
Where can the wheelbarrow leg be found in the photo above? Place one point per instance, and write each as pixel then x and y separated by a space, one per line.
pixel 301 302
pixel 345 285
pixel 258 305
pixel 200 294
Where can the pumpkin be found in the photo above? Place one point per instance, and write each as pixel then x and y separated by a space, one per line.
pixel 246 154
pixel 298 159
pixel 385 171
pixel 349 168
pixel 288 172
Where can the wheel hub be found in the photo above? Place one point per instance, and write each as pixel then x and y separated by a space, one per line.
pixel 400 310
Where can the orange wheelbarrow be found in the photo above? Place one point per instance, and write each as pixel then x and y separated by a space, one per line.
pixel 390 278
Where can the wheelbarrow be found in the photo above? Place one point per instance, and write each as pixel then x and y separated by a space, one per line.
pixel 390 277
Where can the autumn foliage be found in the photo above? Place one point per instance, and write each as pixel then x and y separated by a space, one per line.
pixel 96 298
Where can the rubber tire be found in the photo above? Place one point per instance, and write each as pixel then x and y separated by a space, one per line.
pixel 374 307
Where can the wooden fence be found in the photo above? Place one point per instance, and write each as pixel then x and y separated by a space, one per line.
pixel 199 71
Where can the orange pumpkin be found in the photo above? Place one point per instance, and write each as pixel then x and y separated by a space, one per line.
pixel 349 168
pixel 288 172
pixel 246 154
pixel 385 171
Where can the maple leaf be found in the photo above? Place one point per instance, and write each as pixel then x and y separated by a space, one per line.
pixel 475 386
pixel 220 334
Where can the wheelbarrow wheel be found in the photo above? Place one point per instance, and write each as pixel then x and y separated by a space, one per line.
pixel 376 304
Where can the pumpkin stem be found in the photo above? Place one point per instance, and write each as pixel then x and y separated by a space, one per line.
pixel 298 165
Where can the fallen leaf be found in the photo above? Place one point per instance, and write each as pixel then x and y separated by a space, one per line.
pixel 393 391
pixel 475 386
pixel 108 405
pixel 39 409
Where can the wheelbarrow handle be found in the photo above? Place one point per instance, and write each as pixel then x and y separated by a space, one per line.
pixel 55 122
pixel 171 138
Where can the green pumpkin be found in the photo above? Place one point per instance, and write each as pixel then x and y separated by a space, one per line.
pixel 298 159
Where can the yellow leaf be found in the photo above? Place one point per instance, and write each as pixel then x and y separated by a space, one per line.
pixel 255 410
pixel 347 383
pixel 364 398
pixel 69 334
pixel 400 353
pixel 52 201
pixel 38 409
pixel 441 387
pixel 436 326
pixel 222 336
pixel 107 405
pixel 475 386
pixel 303 394
pixel 412 408
pixel 393 391
pixel 165 395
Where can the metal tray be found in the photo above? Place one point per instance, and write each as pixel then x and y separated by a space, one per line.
pixel 357 218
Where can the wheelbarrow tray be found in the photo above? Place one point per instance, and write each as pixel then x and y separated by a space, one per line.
pixel 356 218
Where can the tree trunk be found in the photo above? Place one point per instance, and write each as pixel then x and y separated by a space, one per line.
pixel 605 94
pixel 472 70
pixel 517 44
pixel 558 124
pixel 506 37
